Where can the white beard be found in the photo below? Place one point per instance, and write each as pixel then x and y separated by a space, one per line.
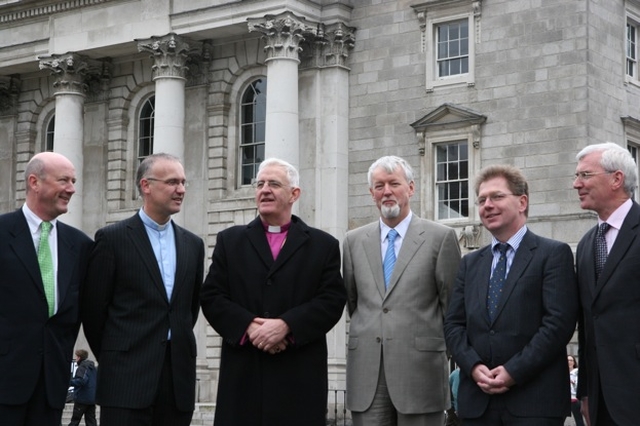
pixel 390 212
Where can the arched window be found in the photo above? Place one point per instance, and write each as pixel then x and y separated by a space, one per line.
pixel 145 128
pixel 48 137
pixel 252 129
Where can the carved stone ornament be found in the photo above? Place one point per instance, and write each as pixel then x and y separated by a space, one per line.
pixel 170 54
pixel 341 40
pixel 283 34
pixel 69 69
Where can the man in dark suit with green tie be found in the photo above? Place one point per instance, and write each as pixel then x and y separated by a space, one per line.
pixel 39 310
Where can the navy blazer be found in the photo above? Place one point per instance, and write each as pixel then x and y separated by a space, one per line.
pixel 610 320
pixel 30 341
pixel 536 319
pixel 126 315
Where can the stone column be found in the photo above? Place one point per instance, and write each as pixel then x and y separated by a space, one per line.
pixel 170 54
pixel 70 71
pixel 283 34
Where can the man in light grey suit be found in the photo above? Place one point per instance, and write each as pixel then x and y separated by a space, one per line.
pixel 397 371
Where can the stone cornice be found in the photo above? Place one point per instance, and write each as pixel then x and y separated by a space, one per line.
pixel 43 11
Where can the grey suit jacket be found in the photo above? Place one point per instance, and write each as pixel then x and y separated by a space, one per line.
pixel 126 315
pixel 403 324
pixel 610 320
pixel 536 318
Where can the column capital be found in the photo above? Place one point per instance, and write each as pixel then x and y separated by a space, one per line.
pixel 170 54
pixel 330 47
pixel 340 41
pixel 9 92
pixel 283 34
pixel 70 70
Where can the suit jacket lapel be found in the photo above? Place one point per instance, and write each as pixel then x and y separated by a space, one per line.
pixel 520 262
pixel 413 239
pixel 24 249
pixel 257 238
pixel 482 279
pixel 625 238
pixel 67 258
pixel 371 247
pixel 296 237
pixel 140 240
pixel 182 256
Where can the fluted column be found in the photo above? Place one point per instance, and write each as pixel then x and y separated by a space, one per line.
pixel 170 54
pixel 283 34
pixel 69 86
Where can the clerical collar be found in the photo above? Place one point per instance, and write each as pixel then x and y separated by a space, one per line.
pixel 276 229
pixel 152 223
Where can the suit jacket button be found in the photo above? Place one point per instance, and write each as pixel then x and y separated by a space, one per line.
pixel 492 332
pixel 385 310
pixel 266 314
pixel 377 340
pixel 269 282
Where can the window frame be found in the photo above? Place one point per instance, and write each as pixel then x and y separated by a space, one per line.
pixel 435 13
pixel 147 100
pixel 462 181
pixel 242 127
pixel 632 20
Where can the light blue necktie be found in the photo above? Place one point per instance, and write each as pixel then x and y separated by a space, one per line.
pixel 389 257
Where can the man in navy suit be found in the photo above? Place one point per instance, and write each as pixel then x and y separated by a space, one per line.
pixel 509 335
pixel 141 303
pixel 609 327
pixel 37 333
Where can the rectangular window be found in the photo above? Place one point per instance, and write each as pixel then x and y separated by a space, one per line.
pixel 452 44
pixel 452 180
pixel 632 50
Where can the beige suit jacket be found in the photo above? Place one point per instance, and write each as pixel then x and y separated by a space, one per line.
pixel 404 323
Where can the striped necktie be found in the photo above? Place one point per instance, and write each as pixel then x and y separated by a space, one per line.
pixel 389 257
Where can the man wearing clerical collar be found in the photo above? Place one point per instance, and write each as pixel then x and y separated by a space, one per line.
pixel 273 291
pixel 141 304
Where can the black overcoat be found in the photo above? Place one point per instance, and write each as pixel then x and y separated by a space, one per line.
pixel 303 287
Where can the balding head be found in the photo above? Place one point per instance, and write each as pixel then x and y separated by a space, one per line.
pixel 50 179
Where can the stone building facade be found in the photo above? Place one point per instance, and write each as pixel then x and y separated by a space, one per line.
pixel 330 85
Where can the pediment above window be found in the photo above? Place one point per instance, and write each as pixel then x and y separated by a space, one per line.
pixel 448 116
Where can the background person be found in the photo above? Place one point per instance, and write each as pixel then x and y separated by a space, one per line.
pixel 84 392
pixel 573 380
pixel 397 367
pixel 39 327
pixel 273 291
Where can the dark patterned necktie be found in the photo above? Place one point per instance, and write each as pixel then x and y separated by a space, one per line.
pixel 497 281
pixel 601 247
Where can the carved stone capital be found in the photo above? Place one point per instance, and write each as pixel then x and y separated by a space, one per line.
pixel 169 53
pixel 9 92
pixel 283 34
pixel 340 40
pixel 70 71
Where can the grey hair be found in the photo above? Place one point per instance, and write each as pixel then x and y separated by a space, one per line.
pixel 292 172
pixel 614 157
pixel 390 163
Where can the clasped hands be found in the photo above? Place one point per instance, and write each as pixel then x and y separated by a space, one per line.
pixel 268 334
pixel 495 381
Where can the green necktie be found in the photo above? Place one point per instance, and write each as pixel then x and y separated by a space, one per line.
pixel 46 266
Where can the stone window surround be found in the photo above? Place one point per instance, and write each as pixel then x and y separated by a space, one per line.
pixel 434 12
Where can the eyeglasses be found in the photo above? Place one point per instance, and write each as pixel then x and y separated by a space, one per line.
pixel 171 182
pixel 495 198
pixel 586 175
pixel 273 184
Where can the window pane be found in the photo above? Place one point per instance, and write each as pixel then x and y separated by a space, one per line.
pixel 252 129
pixel 452 183
pixel 145 128
pixel 48 143
pixel 453 48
